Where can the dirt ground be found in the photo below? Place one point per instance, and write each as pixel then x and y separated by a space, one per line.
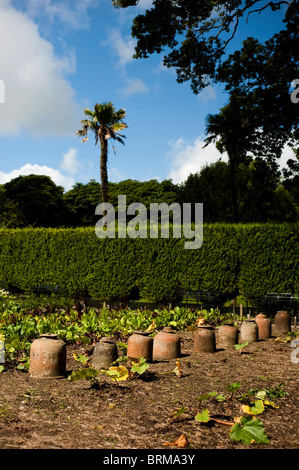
pixel 138 414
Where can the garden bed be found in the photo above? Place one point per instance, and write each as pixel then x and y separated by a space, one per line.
pixel 139 414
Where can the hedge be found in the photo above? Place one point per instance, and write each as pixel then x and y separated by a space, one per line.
pixel 251 259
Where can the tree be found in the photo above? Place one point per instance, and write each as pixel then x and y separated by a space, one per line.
pixel 38 199
pixel 291 176
pixel 105 123
pixel 232 132
pixel 260 76
pixel 194 33
pixel 260 195
pixel 10 214
pixel 81 201
pixel 211 187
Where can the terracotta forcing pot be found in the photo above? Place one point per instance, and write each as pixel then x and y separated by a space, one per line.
pixel 104 354
pixel 249 331
pixel 47 358
pixel 204 339
pixel 167 345
pixel 140 344
pixel 227 336
pixel 282 323
pixel 263 325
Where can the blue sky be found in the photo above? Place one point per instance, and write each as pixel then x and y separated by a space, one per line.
pixel 58 57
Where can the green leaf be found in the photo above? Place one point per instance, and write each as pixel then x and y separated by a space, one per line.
pixel 122 346
pixel 240 346
pixel 140 367
pixel 233 387
pixel 205 396
pixel 117 373
pixel 204 416
pixel 261 394
pixel 256 409
pixel 88 374
pixel 220 398
pixel 249 430
pixel 182 410
pixel 1 369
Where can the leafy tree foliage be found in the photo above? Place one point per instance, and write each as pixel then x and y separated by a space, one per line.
pixel 81 202
pixel 259 77
pixel 260 194
pixel 291 177
pixel 10 214
pixel 193 34
pixel 36 200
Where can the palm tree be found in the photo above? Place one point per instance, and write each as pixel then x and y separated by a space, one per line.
pixel 231 131
pixel 105 123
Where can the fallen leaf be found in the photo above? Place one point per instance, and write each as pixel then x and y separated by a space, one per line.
pixel 181 442
pixel 177 370
pixel 152 327
pixel 200 321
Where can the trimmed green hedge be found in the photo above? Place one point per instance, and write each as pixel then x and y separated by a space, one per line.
pixel 251 259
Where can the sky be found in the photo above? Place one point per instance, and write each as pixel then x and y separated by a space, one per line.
pixel 59 57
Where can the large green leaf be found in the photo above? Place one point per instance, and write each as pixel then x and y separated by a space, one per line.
pixel 249 430
pixel 204 416
pixel 140 367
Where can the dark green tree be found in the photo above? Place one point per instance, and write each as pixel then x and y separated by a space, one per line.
pixel 259 76
pixel 10 214
pixel 232 131
pixel 38 199
pixel 260 194
pixel 81 202
pixel 211 186
pixel 291 177
pixel 194 34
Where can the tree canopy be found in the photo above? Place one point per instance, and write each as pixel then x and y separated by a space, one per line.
pixel 194 34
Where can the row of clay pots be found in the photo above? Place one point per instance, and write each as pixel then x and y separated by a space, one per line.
pixel 48 353
pixel 166 345
pixel 227 335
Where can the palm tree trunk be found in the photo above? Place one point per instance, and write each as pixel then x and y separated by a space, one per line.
pixel 232 167
pixel 103 169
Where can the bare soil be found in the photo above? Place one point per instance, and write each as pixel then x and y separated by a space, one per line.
pixel 138 414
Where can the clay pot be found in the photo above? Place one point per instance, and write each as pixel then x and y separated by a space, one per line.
pixel 104 354
pixel 263 325
pixel 249 331
pixel 227 336
pixel 167 345
pixel 140 344
pixel 282 323
pixel 204 339
pixel 47 358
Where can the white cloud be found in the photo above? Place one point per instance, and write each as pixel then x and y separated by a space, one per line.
pixel 134 86
pixel 70 163
pixel 286 155
pixel 145 4
pixel 38 97
pixel 123 48
pixel 189 158
pixel 207 94
pixel 73 13
pixel 28 169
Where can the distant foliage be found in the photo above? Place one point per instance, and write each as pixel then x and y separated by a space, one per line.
pixel 250 259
